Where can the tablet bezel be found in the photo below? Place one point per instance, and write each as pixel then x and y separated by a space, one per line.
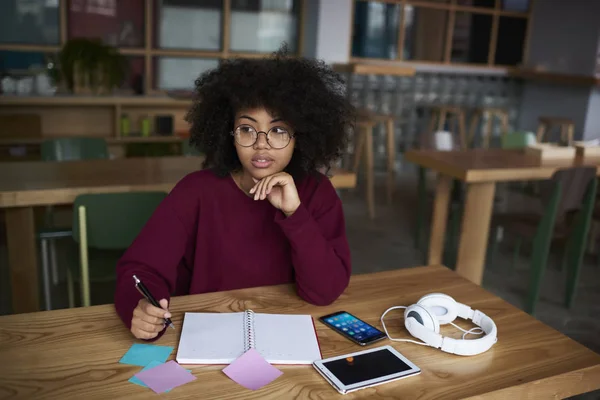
pixel 342 388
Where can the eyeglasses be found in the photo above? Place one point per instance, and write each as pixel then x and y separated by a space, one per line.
pixel 277 137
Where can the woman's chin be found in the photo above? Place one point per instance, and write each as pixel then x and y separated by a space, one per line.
pixel 260 173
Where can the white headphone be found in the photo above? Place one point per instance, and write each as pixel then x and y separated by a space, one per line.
pixel 423 320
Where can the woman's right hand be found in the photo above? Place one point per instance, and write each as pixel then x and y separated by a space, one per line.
pixel 148 320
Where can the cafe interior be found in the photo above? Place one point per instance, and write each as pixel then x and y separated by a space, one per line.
pixel 476 145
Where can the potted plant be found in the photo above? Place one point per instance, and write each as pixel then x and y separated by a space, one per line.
pixel 89 66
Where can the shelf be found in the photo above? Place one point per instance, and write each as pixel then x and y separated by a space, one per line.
pixel 555 77
pixel 109 140
pixel 70 101
pixel 374 69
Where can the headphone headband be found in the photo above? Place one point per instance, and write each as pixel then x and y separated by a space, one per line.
pixel 443 309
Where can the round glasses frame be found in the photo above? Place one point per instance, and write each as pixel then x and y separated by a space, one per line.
pixel 233 133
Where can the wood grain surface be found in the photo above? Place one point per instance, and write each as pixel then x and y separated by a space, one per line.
pixel 492 165
pixel 49 183
pixel 74 353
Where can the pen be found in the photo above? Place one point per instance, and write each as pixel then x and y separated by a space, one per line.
pixel 146 293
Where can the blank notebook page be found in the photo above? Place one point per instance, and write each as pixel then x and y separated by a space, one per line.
pixel 286 339
pixel 211 338
pixel 218 338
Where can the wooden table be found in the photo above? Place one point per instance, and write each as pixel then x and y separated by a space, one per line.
pixel 24 185
pixel 480 169
pixel 74 353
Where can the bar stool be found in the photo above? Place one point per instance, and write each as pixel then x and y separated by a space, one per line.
pixel 388 120
pixel 439 115
pixel 364 142
pixel 491 114
pixel 566 125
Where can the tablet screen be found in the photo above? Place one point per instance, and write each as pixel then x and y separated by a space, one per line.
pixel 366 366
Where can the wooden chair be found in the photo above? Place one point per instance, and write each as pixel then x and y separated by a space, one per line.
pixel 439 116
pixel 491 114
pixel 105 222
pixel 364 142
pixel 53 150
pixel 561 197
pixel 367 117
pixel 566 125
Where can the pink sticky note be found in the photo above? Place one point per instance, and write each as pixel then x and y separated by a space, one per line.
pixel 252 371
pixel 165 376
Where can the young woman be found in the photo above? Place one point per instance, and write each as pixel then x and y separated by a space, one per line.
pixel 260 213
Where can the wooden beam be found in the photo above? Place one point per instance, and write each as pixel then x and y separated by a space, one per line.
pixel 458 7
pixel 226 31
pixel 374 69
pixel 301 28
pixel 494 39
pixel 29 47
pixel 22 259
pixel 148 39
pixel 64 19
pixel 449 35
pixel 401 33
pixel 186 53
pixel 352 16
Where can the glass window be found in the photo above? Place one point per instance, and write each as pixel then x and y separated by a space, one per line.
pixel 477 3
pixel 511 41
pixel 471 38
pixel 262 25
pixel 184 24
pixel 375 30
pixel 424 33
pixel 134 76
pixel 29 22
pixel 117 23
pixel 515 5
pixel 180 73
pixel 28 73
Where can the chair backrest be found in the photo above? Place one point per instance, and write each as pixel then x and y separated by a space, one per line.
pixel 518 140
pixel 69 149
pixel 113 220
pixel 574 183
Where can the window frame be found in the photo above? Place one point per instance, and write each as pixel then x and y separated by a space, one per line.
pixel 452 8
pixel 149 51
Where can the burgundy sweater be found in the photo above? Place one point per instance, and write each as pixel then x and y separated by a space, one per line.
pixel 208 236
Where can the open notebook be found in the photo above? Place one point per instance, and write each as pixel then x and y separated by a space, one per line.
pixel 220 338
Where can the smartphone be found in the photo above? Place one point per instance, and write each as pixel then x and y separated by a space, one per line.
pixel 352 328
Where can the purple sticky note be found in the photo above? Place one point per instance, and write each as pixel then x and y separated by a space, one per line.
pixel 252 371
pixel 165 376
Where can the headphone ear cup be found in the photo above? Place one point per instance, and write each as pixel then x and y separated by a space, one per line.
pixel 443 307
pixel 423 316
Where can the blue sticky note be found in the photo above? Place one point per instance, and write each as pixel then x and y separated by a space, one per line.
pixel 143 354
pixel 152 364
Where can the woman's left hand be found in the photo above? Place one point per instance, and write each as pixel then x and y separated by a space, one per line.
pixel 280 190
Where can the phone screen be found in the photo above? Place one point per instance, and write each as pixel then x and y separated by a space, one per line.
pixel 366 366
pixel 352 327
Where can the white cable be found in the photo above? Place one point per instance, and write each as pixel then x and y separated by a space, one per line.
pixel 398 340
pixel 472 331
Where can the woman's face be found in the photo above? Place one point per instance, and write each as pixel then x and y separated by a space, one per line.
pixel 260 155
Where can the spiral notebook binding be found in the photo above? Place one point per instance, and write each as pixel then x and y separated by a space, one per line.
pixel 249 340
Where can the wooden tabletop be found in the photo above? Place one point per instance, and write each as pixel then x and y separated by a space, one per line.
pixel 493 165
pixel 74 353
pixel 49 183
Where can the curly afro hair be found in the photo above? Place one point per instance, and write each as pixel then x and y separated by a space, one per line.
pixel 305 93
